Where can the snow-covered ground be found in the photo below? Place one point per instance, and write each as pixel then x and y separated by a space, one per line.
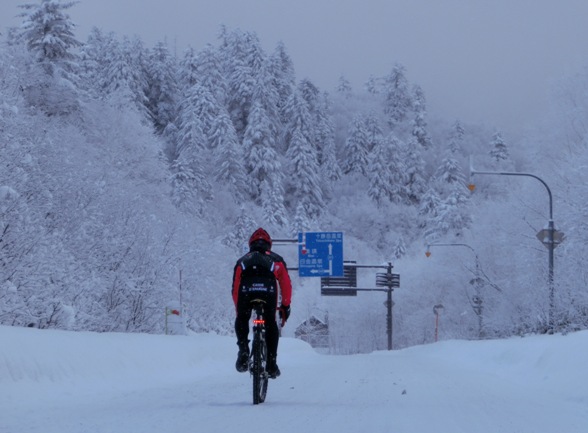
pixel 66 382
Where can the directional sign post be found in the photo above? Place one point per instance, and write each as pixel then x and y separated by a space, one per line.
pixel 320 254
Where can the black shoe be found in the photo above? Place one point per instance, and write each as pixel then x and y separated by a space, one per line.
pixel 273 371
pixel 242 364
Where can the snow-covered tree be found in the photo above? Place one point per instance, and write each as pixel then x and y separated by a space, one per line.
pixel 304 174
pixel 428 208
pixel 356 147
pixel 380 175
pixel 188 74
pixel 230 163
pixel 449 173
pixel 415 172
pixel 373 85
pixel 453 217
pixel 238 236
pixel 191 154
pixel 282 70
pixel 383 184
pixel 327 151
pixel 456 137
pixel 209 73
pixel 261 159
pixel 190 188
pixel 272 202
pixel 125 80
pixel 499 149
pixel 47 32
pixel 204 107
pixel 243 57
pixel 419 124
pixel 374 131
pixel 192 139
pixel 398 101
pixel 400 248
pixel 452 208
pixel 344 87
pixel 398 165
pixel 161 87
pixel 265 94
pixel 301 221
pixel 297 111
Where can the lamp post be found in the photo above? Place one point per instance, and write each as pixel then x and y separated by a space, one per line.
pixel 477 300
pixel 549 237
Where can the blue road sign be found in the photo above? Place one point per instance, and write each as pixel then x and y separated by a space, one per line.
pixel 320 254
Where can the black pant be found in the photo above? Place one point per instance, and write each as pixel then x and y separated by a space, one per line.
pixel 272 334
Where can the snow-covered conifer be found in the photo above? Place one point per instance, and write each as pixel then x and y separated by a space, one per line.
pixel 344 87
pixel 304 175
pixel 282 71
pixel 499 149
pixel 230 162
pixel 373 85
pixel 272 202
pixel 415 172
pixel 449 171
pixel 188 71
pixel 373 129
pixel 192 139
pixel 238 236
pixel 162 86
pixel 125 78
pixel 209 72
pixel 456 137
pixel 327 151
pixel 204 106
pixel 356 147
pixel 48 31
pixel 400 248
pixel 243 57
pixel 261 159
pixel 398 101
pixel 428 207
pixel 419 124
pixel 453 216
pixel 95 58
pixel 379 174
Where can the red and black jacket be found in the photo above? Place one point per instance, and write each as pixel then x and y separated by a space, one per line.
pixel 280 271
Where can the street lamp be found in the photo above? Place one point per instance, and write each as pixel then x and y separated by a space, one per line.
pixel 477 299
pixel 549 237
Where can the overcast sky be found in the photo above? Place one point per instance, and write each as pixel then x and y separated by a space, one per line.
pixel 490 61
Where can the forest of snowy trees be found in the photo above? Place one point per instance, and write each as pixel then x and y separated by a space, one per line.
pixel 131 177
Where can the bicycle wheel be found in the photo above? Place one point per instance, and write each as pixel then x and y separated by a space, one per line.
pixel 260 378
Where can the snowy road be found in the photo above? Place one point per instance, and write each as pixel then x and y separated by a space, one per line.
pixel 60 382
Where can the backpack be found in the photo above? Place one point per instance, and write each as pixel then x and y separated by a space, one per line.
pixel 257 274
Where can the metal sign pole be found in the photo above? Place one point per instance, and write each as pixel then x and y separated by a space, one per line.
pixel 550 234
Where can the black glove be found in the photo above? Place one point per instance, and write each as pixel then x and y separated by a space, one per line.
pixel 284 311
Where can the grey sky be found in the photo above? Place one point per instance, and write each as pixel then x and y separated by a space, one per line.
pixel 490 61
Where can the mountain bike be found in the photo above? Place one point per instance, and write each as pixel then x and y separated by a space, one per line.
pixel 258 357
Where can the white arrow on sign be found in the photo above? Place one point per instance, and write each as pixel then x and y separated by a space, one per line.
pixel 318 271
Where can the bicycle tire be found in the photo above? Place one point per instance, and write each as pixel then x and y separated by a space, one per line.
pixel 260 378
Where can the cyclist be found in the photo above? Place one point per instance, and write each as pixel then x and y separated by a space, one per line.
pixel 259 274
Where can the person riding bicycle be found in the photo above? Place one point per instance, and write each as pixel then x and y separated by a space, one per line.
pixel 258 275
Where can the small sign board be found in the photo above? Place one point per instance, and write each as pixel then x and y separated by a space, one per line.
pixel 320 254
pixel 543 236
